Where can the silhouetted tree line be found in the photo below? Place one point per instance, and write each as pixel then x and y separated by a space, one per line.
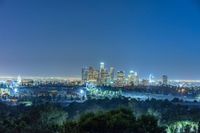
pixel 167 111
pixel 96 116
pixel 115 121
pixel 50 119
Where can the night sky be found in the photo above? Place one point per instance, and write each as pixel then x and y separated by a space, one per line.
pixel 59 37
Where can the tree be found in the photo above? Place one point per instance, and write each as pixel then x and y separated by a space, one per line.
pixel 148 124
pixel 115 121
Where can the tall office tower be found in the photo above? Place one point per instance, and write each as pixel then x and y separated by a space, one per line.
pixel 102 66
pixel 151 79
pixel 131 78
pixel 84 74
pixel 104 76
pixel 164 79
pixel 90 73
pixel 95 76
pixel 137 80
pixel 101 71
pixel 112 74
pixel 19 80
pixel 120 79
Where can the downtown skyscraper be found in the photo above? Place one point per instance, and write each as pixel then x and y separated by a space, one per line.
pixel 108 77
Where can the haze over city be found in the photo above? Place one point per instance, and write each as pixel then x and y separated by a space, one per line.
pixel 48 38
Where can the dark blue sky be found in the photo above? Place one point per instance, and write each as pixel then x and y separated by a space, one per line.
pixel 59 37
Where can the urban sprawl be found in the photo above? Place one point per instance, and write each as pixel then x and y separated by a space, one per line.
pixel 95 84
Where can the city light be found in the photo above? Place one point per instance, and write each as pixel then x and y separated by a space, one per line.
pixel 15 90
pixel 81 91
pixel 100 66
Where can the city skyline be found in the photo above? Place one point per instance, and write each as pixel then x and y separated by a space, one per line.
pixel 39 38
pixel 79 77
pixel 99 66
pixel 95 67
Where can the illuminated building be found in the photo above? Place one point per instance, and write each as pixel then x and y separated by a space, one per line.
pixel 133 79
pixel 164 79
pixel 95 75
pixel 27 82
pixel 120 79
pixel 103 75
pixel 151 79
pixel 112 74
pixel 145 82
pixel 90 75
pixel 84 74
pixel 19 80
pixel 136 80
pixel 102 66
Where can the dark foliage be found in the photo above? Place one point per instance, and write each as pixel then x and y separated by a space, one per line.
pixel 53 119
pixel 96 116
pixel 115 121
